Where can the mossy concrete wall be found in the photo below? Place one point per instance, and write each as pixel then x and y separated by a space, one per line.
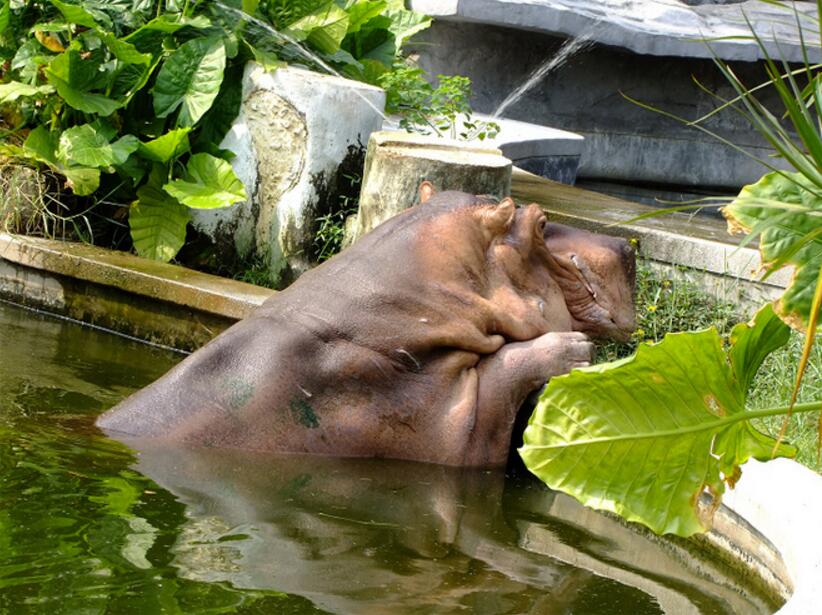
pixel 156 302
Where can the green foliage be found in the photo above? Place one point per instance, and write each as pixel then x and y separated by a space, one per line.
pixel 116 90
pixel 785 210
pixel 209 183
pixel 107 91
pixel 444 110
pixel 362 39
pixel 663 426
pixel 157 220
pixel 328 239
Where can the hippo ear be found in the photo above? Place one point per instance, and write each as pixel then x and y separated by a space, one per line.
pixel 498 218
pixel 426 191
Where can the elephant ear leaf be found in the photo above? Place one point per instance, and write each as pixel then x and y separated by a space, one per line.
pixel 784 209
pixel 190 79
pixel 750 344
pixel 646 436
pixel 210 183
pixel 157 221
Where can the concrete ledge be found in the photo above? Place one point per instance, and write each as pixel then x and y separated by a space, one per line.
pixel 157 302
pixel 651 27
pixel 783 501
pixel 701 243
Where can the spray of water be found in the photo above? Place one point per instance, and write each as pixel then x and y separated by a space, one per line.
pixel 284 39
pixel 569 48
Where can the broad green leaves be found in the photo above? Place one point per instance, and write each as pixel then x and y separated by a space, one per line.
pixel 190 79
pixel 163 149
pixel 158 221
pixel 73 80
pixel 210 182
pixel 785 210
pixel 9 92
pixel 86 146
pixel 42 146
pixel 645 436
pixel 325 28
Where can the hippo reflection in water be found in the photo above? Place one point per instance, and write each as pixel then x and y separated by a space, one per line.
pixel 385 537
pixel 419 342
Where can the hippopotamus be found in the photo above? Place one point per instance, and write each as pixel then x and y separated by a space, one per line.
pixel 419 342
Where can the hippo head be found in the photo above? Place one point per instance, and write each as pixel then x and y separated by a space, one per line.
pixel 597 274
pixel 536 263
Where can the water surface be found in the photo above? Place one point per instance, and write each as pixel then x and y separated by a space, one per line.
pixel 88 525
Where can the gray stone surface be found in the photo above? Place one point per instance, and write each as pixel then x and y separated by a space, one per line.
pixel 783 501
pixel 654 27
pixel 295 132
pixel 545 151
pixel 587 96
pixel 398 162
pixel 153 301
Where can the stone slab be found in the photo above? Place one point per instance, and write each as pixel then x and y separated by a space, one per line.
pixel 650 27
pixel 543 150
pixel 159 281
pixel 783 501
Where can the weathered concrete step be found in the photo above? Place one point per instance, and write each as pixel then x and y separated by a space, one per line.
pixel 158 302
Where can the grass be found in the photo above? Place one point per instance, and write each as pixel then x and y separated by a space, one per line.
pixel 669 304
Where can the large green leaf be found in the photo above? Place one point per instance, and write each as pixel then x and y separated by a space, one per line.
pixel 87 146
pixel 162 149
pixel 75 14
pixel 83 181
pixel 158 223
pixel 210 183
pixel 123 50
pixel 41 146
pixel 9 92
pixel 190 79
pixel 787 213
pixel 363 11
pixel 324 28
pixel 72 78
pixel 219 119
pixel 645 436
pixel 404 23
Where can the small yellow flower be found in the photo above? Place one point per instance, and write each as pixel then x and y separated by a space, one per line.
pixel 651 308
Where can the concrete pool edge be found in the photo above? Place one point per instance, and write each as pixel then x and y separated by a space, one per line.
pixel 782 500
pixel 156 302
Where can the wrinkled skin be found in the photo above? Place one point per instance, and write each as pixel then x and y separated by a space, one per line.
pixel 419 342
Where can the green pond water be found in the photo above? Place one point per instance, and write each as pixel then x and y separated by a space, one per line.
pixel 88 525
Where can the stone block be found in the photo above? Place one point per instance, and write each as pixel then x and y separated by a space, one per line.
pixel 297 131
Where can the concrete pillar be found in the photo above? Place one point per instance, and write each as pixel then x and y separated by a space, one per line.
pixel 296 133
pixel 396 163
